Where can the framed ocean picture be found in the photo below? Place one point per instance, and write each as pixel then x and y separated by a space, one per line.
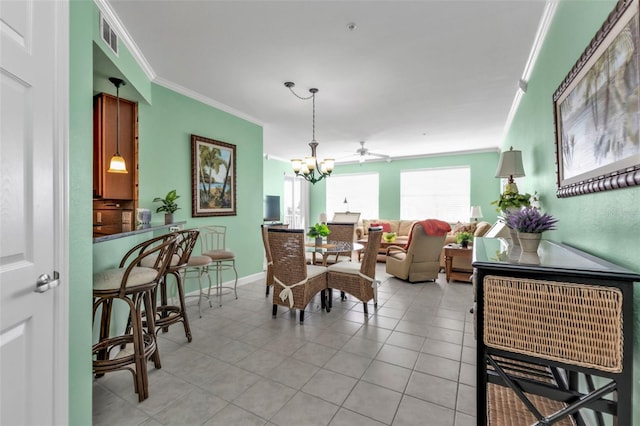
pixel 213 177
pixel 597 110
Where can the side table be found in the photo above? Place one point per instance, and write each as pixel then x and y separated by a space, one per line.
pixel 451 251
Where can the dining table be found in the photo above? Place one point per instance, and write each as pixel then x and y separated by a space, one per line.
pixel 331 247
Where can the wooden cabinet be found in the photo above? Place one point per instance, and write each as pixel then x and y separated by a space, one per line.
pixel 554 337
pixel 114 186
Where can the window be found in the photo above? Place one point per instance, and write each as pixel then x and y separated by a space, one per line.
pixel 360 190
pixel 435 194
pixel 296 202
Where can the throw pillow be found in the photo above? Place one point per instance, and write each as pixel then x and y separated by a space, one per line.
pixel 386 227
pixel 464 227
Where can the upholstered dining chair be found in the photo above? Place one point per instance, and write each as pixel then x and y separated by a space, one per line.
pixel 358 278
pixel 419 260
pixel 267 252
pixel 132 284
pixel 213 240
pixel 295 283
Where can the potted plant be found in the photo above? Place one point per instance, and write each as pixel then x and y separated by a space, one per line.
pixel 168 206
pixel 510 201
pixel 463 238
pixel 530 223
pixel 318 231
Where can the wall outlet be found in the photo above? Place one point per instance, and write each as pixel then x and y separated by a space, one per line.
pixel 174 228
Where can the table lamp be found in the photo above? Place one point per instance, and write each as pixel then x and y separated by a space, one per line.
pixel 510 166
pixel 476 213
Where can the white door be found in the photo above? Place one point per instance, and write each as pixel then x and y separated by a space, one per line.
pixel 33 121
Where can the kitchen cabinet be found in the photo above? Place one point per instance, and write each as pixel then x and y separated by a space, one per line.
pixel 114 186
pixel 554 336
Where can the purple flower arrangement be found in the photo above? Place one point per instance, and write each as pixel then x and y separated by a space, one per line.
pixel 530 220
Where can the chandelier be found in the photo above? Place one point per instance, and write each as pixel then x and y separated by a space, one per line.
pixel 309 168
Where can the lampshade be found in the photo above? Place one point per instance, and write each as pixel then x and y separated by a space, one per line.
pixel 476 212
pixel 510 164
pixel 322 218
pixel 117 165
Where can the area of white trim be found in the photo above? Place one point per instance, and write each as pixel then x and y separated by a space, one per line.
pixel 206 100
pixel 541 34
pixel 61 215
pixel 126 38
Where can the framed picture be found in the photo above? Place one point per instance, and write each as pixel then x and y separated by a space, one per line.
pixel 596 110
pixel 213 177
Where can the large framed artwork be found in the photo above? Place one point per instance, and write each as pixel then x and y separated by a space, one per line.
pixel 213 177
pixel 597 110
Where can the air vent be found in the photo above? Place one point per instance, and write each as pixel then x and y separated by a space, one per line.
pixel 109 35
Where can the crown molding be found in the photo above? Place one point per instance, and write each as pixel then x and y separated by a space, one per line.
pixel 126 38
pixel 541 35
pixel 206 100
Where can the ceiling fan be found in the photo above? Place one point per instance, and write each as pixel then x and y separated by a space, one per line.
pixel 363 153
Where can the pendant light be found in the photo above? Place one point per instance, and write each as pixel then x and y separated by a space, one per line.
pixel 308 167
pixel 117 164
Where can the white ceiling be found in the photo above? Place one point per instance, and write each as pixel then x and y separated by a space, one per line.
pixel 413 77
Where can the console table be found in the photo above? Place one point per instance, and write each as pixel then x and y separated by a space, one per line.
pixel 554 337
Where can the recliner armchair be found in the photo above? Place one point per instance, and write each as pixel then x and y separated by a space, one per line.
pixel 420 260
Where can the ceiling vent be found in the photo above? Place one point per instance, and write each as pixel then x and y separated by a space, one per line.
pixel 109 35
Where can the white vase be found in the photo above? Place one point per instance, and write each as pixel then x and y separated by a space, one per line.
pixel 529 242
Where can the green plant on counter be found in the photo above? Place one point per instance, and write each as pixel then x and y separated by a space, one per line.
pixel 169 204
pixel 318 230
pixel 512 201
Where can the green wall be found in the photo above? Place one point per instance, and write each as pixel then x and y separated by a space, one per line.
pixel 605 224
pixel 166 122
pixel 80 219
pixel 484 187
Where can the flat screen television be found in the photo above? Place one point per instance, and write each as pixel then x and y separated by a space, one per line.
pixel 272 208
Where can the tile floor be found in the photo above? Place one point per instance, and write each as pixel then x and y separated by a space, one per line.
pixel 410 362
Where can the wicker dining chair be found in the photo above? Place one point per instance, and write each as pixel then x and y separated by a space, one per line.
pixel 133 284
pixel 295 283
pixel 358 278
pixel 341 233
pixel 267 252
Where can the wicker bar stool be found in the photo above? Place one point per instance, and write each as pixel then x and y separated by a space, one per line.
pixel 295 283
pixel 168 314
pixel 133 284
pixel 213 243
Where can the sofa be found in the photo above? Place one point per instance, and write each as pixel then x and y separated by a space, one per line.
pixel 400 227
pixel 403 227
pixel 478 229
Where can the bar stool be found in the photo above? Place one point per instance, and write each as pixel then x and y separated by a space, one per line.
pixel 132 284
pixel 168 314
pixel 213 244
pixel 198 265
